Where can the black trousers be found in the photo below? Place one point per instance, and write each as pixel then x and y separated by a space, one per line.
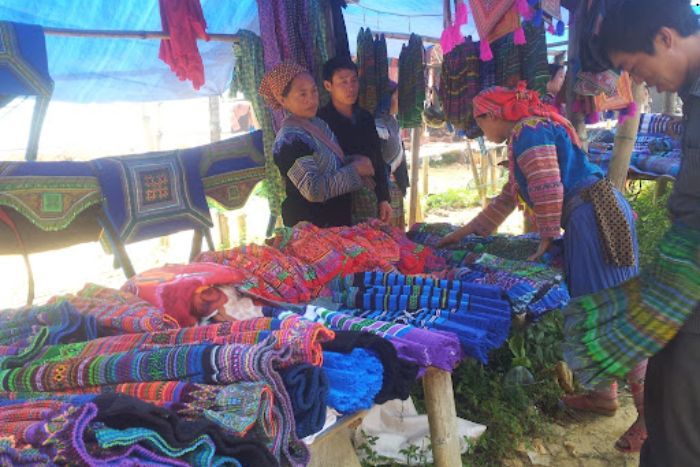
pixel 672 403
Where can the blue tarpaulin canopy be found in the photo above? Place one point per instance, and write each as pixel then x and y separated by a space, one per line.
pixel 102 70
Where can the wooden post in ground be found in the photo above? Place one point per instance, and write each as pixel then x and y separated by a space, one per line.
pixel 242 229
pixel 442 417
pixel 415 173
pixel 625 137
pixel 214 136
pixel 475 174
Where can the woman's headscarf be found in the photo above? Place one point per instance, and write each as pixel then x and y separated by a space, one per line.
pixel 519 103
pixel 276 80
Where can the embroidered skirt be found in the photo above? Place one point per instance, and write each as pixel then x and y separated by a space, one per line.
pixel 609 332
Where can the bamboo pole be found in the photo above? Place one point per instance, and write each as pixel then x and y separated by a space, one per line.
pixel 404 37
pixel 625 137
pixel 114 34
pixel 442 417
pixel 415 163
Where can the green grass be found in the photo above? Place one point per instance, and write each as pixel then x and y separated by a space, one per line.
pixel 453 198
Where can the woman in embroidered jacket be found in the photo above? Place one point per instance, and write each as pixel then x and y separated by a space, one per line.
pixel 552 176
pixel 318 177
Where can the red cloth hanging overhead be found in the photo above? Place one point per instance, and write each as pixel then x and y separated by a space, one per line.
pixel 184 21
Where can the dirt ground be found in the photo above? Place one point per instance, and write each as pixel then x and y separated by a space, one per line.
pixel 581 440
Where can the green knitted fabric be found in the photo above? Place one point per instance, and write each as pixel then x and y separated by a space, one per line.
pixel 248 72
pixel 411 83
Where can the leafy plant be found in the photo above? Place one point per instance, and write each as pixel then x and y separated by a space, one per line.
pixel 652 221
pixel 512 413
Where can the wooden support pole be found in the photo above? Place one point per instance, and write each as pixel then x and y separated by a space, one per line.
pixel 214 119
pixel 242 229
pixel 426 170
pixel 492 169
pixel 404 37
pixel 415 163
pixel 669 103
pixel 625 137
pixel 114 34
pixel 224 231
pixel 475 174
pixel 442 417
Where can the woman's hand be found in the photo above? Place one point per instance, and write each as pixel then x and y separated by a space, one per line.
pixel 544 245
pixel 385 211
pixel 455 236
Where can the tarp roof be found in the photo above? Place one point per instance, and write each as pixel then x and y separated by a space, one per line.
pixel 104 70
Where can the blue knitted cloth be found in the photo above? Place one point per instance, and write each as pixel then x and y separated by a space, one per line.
pixel 355 379
pixel 307 386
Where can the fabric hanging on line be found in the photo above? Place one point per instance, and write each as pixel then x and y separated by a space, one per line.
pixel 367 71
pixel 488 15
pixel 533 57
pixel 342 47
pixel 184 22
pixel 411 83
pixel 507 62
pixel 459 83
pixel 248 72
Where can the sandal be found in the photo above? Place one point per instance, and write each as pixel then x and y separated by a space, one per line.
pixel 591 403
pixel 633 439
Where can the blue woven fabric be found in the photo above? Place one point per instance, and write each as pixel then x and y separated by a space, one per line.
pixel 354 379
pixel 307 386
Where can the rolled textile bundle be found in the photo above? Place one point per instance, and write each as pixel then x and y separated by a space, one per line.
pixel 307 386
pixel 354 379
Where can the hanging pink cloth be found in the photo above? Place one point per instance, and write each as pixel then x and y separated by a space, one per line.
pixel 452 35
pixel 184 21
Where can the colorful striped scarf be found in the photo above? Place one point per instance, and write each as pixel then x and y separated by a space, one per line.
pixel 609 332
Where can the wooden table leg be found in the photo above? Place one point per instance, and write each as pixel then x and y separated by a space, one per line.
pixel 442 417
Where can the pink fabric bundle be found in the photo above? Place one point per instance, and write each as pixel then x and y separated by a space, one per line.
pixel 184 21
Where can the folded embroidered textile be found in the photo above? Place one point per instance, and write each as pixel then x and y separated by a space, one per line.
pixel 25 331
pixel 399 375
pixel 354 379
pixel 203 363
pixel 475 313
pixel 121 412
pixel 118 312
pixel 201 451
pixel 60 431
pixel 303 339
pixel 291 279
pixel 308 387
pixel 422 347
pixel 173 288
pixel 241 408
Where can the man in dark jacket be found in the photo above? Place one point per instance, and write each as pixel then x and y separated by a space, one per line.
pixel 356 132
